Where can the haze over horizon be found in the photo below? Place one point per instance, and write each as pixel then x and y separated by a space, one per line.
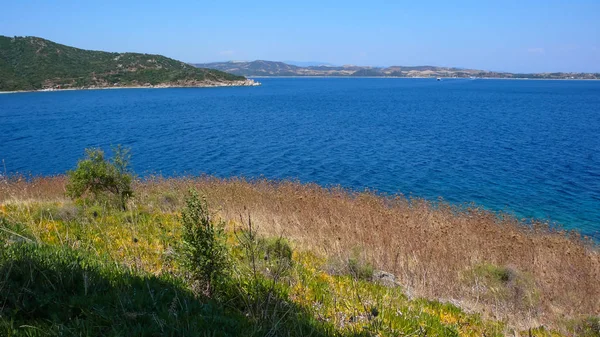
pixel 511 36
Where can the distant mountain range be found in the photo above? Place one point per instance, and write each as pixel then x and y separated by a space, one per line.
pixel 33 63
pixel 309 63
pixel 272 68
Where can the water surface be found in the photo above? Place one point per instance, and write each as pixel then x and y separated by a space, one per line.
pixel 531 148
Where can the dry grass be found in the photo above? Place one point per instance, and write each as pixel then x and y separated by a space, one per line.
pixel 531 275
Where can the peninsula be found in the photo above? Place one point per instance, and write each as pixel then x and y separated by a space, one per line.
pixel 270 68
pixel 33 63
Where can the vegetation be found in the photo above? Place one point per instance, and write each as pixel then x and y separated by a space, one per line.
pixel 30 63
pixel 49 290
pixel 271 68
pixel 299 266
pixel 96 176
pixel 91 276
pixel 368 73
pixel 203 247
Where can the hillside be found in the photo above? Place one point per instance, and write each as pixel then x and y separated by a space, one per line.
pixel 32 63
pixel 303 259
pixel 270 68
pixel 256 68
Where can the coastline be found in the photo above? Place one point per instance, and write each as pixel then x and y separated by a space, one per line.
pixel 241 83
pixel 250 82
pixel 433 78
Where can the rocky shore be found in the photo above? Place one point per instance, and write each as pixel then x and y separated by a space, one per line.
pixel 178 84
pixel 203 84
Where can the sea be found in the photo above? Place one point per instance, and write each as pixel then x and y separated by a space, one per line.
pixel 530 148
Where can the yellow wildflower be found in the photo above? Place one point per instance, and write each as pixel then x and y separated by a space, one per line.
pixel 448 318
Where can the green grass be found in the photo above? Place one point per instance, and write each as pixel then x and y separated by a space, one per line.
pixel 69 269
pixel 59 291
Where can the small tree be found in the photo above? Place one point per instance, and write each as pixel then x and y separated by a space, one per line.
pixel 204 251
pixel 97 176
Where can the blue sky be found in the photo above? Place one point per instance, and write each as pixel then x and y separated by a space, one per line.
pixel 518 36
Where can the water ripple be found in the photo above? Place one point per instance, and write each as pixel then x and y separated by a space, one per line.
pixel 527 147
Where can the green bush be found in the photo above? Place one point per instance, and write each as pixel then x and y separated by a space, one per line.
pixel 278 248
pixel 495 274
pixel 502 284
pixel 168 202
pixel 277 255
pixel 585 327
pixel 204 251
pixel 102 178
pixel 358 267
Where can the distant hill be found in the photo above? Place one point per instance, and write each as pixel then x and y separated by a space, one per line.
pixel 33 63
pixel 271 68
pixel 308 63
pixel 255 68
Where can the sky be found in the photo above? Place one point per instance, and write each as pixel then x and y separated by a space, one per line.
pixel 515 36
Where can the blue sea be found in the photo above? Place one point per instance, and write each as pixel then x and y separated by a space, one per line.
pixel 530 148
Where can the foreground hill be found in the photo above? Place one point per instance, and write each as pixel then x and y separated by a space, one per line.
pixel 33 63
pixel 270 68
pixel 305 267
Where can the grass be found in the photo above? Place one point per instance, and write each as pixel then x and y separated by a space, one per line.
pixel 302 268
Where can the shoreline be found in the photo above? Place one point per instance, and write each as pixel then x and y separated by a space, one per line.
pixel 434 78
pixel 552 224
pixel 251 83
pixel 240 83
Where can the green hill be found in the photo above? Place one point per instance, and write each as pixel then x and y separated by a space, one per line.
pixel 32 63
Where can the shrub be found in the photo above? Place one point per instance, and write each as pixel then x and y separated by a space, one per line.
pixel 494 274
pixel 354 265
pixel 358 267
pixel 277 256
pixel 263 262
pixel 502 284
pixel 270 257
pixel 55 212
pixel 168 202
pixel 100 177
pixel 585 327
pixel 204 251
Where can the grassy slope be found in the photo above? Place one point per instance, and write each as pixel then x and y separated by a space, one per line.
pixel 28 63
pixel 122 279
pixel 88 270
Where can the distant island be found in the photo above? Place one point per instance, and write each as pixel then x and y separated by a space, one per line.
pixel 33 63
pixel 271 68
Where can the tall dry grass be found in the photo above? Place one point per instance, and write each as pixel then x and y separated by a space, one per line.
pixel 436 250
